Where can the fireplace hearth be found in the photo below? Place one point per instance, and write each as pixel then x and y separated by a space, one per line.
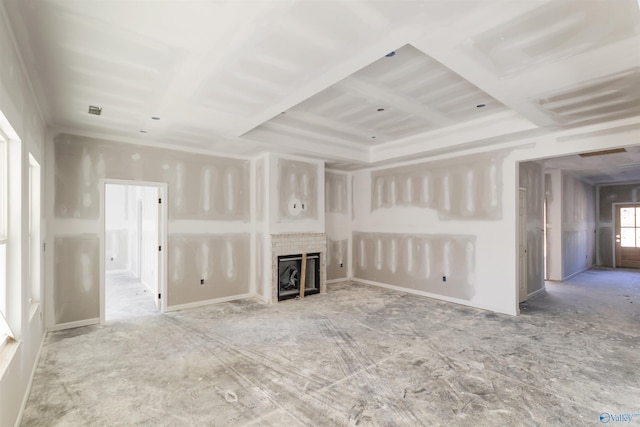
pixel 290 275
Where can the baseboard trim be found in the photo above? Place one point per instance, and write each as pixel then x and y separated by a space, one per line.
pixel 208 302
pixel 433 296
pixel 577 272
pixel 542 289
pixel 76 324
pixel 27 392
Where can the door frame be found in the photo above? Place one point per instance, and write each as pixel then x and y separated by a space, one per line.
pixel 162 237
pixel 523 272
pixel 614 228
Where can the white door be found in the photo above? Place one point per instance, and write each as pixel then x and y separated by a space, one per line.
pixel 522 245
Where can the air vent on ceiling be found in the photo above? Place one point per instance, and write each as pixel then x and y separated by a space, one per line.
pixel 603 152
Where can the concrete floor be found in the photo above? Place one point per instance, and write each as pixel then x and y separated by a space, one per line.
pixel 359 355
pixel 126 297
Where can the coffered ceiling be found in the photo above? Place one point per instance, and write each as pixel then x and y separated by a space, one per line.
pixel 349 81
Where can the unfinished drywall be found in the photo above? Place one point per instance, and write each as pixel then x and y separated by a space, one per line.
pixel 202 187
pixel 203 268
pixel 208 213
pixel 337 225
pixel 118 225
pixel 570 225
pixel 298 190
pixel 261 189
pixel 436 264
pixel 531 178
pixel 76 267
pixel 607 196
pixel 466 188
pixel 578 225
pixel 553 196
pixel 417 222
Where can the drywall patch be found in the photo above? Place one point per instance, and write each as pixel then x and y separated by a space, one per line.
pixel 220 261
pixel 438 264
pixel 76 290
pixel 298 190
pixel 467 188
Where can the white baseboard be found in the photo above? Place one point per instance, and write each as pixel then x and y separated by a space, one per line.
pixel 577 272
pixel 208 302
pixel 542 289
pixel 260 298
pixel 433 296
pixel 77 324
pixel 27 392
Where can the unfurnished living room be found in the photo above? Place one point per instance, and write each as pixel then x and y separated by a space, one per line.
pixel 319 212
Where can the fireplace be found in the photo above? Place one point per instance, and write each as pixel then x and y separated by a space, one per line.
pixel 290 275
pixel 288 246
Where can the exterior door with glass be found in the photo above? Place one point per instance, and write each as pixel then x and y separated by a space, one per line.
pixel 628 236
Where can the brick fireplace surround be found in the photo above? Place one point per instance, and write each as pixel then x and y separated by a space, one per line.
pixel 294 244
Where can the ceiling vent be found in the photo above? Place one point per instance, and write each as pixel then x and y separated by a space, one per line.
pixel 603 152
pixel 95 110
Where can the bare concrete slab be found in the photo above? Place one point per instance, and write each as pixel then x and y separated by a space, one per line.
pixel 358 355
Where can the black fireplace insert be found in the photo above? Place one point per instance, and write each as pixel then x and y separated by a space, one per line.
pixel 290 272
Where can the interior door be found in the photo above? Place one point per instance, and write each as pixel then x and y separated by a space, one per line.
pixel 628 236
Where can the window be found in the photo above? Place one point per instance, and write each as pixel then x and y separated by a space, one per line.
pixel 630 227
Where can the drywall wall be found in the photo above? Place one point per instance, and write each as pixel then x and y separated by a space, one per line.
pixel 472 190
pixel 221 260
pixel 296 194
pixel 22 122
pixel 553 195
pixel 578 225
pixel 417 223
pixel 531 178
pixel 208 221
pixel 119 223
pixel 432 263
pixel 607 196
pixel 337 225
pixel 570 225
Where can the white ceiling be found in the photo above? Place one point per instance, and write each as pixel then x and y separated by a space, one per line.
pixel 309 76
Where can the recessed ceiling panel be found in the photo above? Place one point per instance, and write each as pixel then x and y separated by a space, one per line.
pixel 402 94
pixel 557 30
pixel 612 97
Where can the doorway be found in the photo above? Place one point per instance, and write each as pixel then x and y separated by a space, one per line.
pixel 133 265
pixel 627 238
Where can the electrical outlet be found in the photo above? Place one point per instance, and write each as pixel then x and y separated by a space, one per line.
pixel 444 278
pixel 202 281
